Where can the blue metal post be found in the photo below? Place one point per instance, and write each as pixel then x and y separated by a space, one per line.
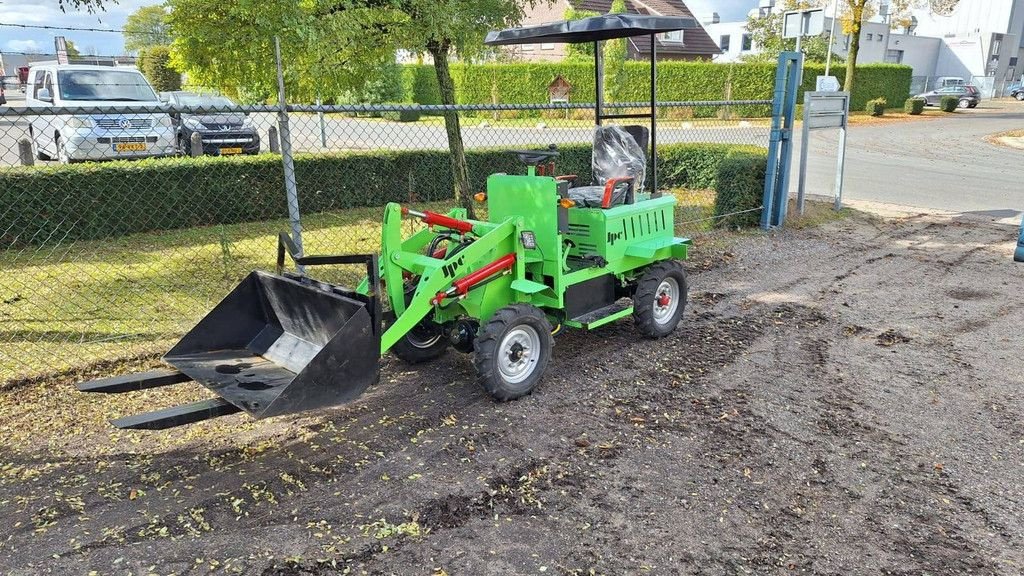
pixel 776 181
pixel 796 73
pixel 1018 255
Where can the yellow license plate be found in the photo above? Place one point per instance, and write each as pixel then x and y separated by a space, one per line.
pixel 226 151
pixel 129 147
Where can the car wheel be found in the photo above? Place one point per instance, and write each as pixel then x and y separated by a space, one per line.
pixel 1020 96
pixel 62 153
pixel 36 150
pixel 964 104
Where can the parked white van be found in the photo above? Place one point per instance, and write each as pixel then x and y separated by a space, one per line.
pixel 93 134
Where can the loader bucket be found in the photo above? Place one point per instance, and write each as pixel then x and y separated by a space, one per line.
pixel 277 345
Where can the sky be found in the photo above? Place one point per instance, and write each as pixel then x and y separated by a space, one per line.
pixel 46 12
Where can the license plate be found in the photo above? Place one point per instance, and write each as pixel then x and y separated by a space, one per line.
pixel 226 151
pixel 129 147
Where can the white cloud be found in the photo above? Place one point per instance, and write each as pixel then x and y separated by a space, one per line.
pixel 23 46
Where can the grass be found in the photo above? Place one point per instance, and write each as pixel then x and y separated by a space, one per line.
pixel 70 306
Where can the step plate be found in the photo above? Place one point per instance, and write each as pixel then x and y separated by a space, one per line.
pixel 603 315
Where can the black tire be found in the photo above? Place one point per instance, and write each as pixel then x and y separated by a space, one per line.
pixel 963 104
pixel 40 155
pixel 1020 96
pixel 512 350
pixel 656 317
pixel 423 343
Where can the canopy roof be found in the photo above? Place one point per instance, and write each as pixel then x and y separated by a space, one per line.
pixel 591 29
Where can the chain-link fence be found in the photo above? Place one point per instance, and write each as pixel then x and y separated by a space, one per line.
pixel 105 258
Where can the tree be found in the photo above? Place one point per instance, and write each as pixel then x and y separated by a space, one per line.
pixel 73 51
pixel 615 56
pixel 440 28
pixel 766 33
pixel 584 50
pixel 146 27
pixel 855 13
pixel 155 63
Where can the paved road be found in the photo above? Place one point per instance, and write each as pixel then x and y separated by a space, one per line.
pixel 943 163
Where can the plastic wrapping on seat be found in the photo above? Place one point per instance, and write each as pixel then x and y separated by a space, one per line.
pixel 617 154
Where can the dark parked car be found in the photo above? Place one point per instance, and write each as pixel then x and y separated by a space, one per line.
pixel 1017 91
pixel 969 96
pixel 223 132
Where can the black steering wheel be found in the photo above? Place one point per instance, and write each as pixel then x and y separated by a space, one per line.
pixel 536 157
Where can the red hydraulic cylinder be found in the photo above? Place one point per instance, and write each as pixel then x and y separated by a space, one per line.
pixel 435 219
pixel 467 282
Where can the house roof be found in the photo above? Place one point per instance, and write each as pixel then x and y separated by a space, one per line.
pixel 604 27
pixel 696 41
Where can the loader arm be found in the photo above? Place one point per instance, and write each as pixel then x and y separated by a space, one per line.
pixel 435 274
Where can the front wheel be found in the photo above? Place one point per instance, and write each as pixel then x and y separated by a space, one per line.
pixel 425 342
pixel 964 104
pixel 1020 96
pixel 660 299
pixel 62 152
pixel 512 351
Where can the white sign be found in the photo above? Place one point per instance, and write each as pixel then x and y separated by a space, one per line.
pixel 803 23
pixel 827 84
pixel 62 49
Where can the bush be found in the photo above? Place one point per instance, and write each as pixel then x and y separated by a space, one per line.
pixel 102 200
pixel 876 107
pixel 155 64
pixel 914 106
pixel 401 115
pixel 740 188
pixel 949 103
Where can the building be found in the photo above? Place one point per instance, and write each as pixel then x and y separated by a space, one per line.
pixel 693 44
pixel 981 41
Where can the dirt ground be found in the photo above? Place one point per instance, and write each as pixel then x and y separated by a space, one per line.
pixel 839 400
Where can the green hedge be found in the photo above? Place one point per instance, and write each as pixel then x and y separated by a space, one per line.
pixel 914 106
pixel 527 82
pixel 401 115
pixel 876 107
pixel 740 188
pixel 949 103
pixel 110 199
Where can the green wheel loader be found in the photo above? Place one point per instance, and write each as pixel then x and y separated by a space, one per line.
pixel 554 253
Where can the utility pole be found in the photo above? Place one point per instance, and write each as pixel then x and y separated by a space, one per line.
pixel 831 36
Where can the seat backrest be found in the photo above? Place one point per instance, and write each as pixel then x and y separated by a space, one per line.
pixel 618 153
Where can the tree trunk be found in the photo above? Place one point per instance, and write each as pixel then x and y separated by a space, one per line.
pixel 856 14
pixel 457 152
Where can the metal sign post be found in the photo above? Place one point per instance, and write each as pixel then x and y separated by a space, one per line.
pixel 824 110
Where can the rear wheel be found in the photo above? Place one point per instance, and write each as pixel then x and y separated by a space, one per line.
pixel 1020 96
pixel 426 341
pixel 512 351
pixel 964 104
pixel 660 299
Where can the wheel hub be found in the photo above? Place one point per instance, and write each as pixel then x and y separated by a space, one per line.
pixel 667 301
pixel 517 354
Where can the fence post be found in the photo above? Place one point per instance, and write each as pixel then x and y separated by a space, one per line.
pixel 323 125
pixel 272 141
pixel 788 77
pixel 25 152
pixel 290 187
pixel 195 146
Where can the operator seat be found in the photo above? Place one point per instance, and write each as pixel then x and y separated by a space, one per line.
pixel 618 163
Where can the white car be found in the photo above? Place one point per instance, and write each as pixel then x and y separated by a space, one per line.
pixel 92 133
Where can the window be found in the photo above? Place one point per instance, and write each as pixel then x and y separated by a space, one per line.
pixel 108 85
pixel 547 46
pixel 723 42
pixel 871 36
pixel 878 37
pixel 894 56
pixel 747 43
pixel 37 83
pixel 527 47
pixel 673 36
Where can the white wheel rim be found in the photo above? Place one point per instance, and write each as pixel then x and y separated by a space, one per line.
pixel 666 300
pixel 518 354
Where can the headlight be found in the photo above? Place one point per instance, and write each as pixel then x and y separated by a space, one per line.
pixel 76 122
pixel 192 123
pixel 164 122
pixel 247 122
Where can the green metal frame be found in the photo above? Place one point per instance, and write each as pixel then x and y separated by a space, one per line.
pixel 621 241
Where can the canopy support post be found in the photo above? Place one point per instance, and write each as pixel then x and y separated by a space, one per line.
pixel 654 118
pixel 598 82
